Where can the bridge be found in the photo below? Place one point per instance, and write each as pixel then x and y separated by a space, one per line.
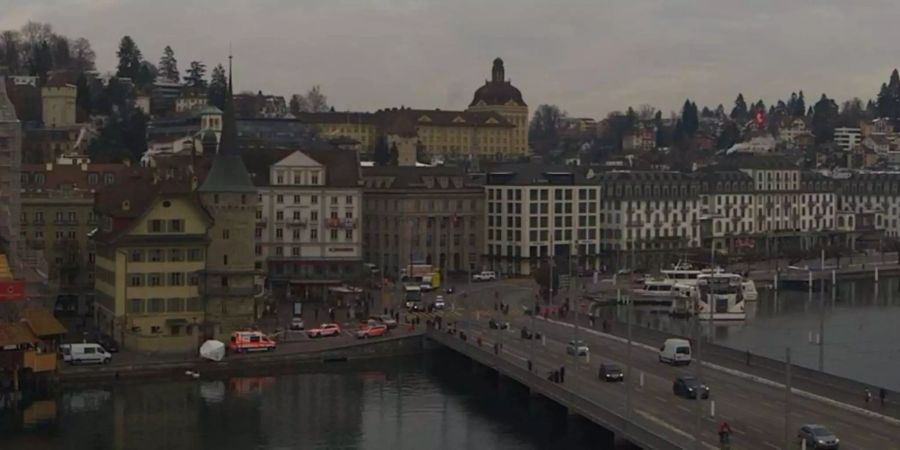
pixel 644 410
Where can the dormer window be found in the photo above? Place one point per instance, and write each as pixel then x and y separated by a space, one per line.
pixel 314 178
pixel 39 178
pixel 93 179
pixel 109 178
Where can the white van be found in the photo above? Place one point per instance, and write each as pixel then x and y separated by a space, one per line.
pixel 675 351
pixel 84 353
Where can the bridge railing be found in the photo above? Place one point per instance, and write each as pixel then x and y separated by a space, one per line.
pixel 646 435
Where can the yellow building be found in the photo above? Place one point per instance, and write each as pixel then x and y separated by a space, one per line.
pixel 151 249
pixel 495 125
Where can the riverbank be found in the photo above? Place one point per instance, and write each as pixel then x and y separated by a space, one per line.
pixel 286 356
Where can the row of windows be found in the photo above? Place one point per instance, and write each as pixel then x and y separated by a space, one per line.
pixel 333 235
pixel 93 178
pixel 60 218
pixel 164 305
pixel 163 255
pixel 385 240
pixel 163 279
pixel 165 226
pixel 297 199
pixel 298 177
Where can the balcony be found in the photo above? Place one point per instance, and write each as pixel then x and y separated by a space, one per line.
pixel 335 222
pixel 296 222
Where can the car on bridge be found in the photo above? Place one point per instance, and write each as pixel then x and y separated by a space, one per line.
pixel 486 275
pixel 498 325
pixel 610 372
pixel 577 348
pixel 688 386
pixel 817 437
pixel 373 330
pixel 324 330
pixel 386 319
pixel 439 302
pixel 527 334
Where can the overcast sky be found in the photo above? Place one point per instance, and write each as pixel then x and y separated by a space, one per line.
pixel 587 56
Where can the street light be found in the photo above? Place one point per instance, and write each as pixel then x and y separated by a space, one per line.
pixel 821 312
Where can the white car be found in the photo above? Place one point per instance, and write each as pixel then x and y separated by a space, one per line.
pixel 439 302
pixel 486 275
pixel 577 348
pixel 426 287
pixel 297 324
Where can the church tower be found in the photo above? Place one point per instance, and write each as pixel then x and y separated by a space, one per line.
pixel 230 197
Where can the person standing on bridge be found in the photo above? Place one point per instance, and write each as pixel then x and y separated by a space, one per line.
pixel 562 374
pixel 882 394
pixel 868 395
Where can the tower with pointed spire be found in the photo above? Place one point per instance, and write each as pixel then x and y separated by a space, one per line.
pixel 228 194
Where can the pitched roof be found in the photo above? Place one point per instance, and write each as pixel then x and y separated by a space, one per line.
pixel 16 333
pixel 42 322
pixel 57 176
pixel 7 110
pixel 341 166
pixel 228 173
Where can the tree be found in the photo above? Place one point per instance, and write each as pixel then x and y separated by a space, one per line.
pixel 83 55
pixel 195 75
pixel 83 94
pixel 41 60
pixel 729 135
pixel 740 113
pixel 547 279
pixel 660 131
pixel 60 53
pixel 217 92
pixel 129 59
pixel 313 101
pixel 888 102
pixel 146 74
pixel 11 48
pixel 395 155
pixel 168 66
pixel 706 112
pixel 544 128
pixel 123 137
pixel 381 155
pixel 799 109
pixel 690 123
pixel 825 117
pixel 852 113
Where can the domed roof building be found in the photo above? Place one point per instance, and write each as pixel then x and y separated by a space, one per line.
pixel 497 91
pixel 498 95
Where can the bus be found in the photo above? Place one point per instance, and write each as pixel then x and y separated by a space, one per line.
pixel 412 297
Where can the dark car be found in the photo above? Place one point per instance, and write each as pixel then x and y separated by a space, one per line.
pixel 107 342
pixel 610 372
pixel 497 325
pixel 817 437
pixel 528 334
pixel 688 386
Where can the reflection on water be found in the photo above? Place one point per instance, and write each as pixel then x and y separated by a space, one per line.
pixel 434 402
pixel 860 323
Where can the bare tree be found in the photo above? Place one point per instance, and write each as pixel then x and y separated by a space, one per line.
pixel 83 55
pixel 313 101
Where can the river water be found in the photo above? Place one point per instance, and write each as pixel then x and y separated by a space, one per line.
pixel 432 402
pixel 861 324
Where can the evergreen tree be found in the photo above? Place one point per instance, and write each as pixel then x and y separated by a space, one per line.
pixel 381 155
pixel 824 119
pixel 729 136
pixel 690 123
pixel 61 55
pixel 888 101
pixel 129 59
pixel 195 75
pixel 83 95
pixel 146 74
pixel 706 112
pixel 800 106
pixel 660 131
pixel 218 87
pixel 740 112
pixel 168 66
pixel 41 60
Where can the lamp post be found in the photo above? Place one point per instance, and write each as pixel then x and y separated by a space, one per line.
pixel 821 340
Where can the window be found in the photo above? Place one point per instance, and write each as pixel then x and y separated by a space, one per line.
pixel 154 279
pixel 314 178
pixel 39 217
pixel 295 251
pixel 296 199
pixel 176 226
pixel 314 234
pixel 226 234
pixel 136 255
pixel 155 255
pixel 193 279
pixel 296 234
pixel 156 305
pixel 195 254
pixel 334 200
pixel 314 216
pixel 72 218
pixel 348 235
pixel 279 233
pixel 108 178
pixel 176 254
pixel 93 179
pixel 135 280
pixel 279 215
pixel 279 199
pixel 225 260
pixel 314 199
pixel 176 279
pixel 279 251
pixel 334 235
pixel 136 306
pixel 175 305
pixel 349 200
pixel 155 226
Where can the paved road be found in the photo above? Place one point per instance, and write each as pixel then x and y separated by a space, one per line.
pixel 755 411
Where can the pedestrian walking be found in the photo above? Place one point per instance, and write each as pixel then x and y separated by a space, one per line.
pixel 748 357
pixel 868 395
pixel 882 395
pixel 562 374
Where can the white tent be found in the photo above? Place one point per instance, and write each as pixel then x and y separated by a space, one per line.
pixel 213 350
